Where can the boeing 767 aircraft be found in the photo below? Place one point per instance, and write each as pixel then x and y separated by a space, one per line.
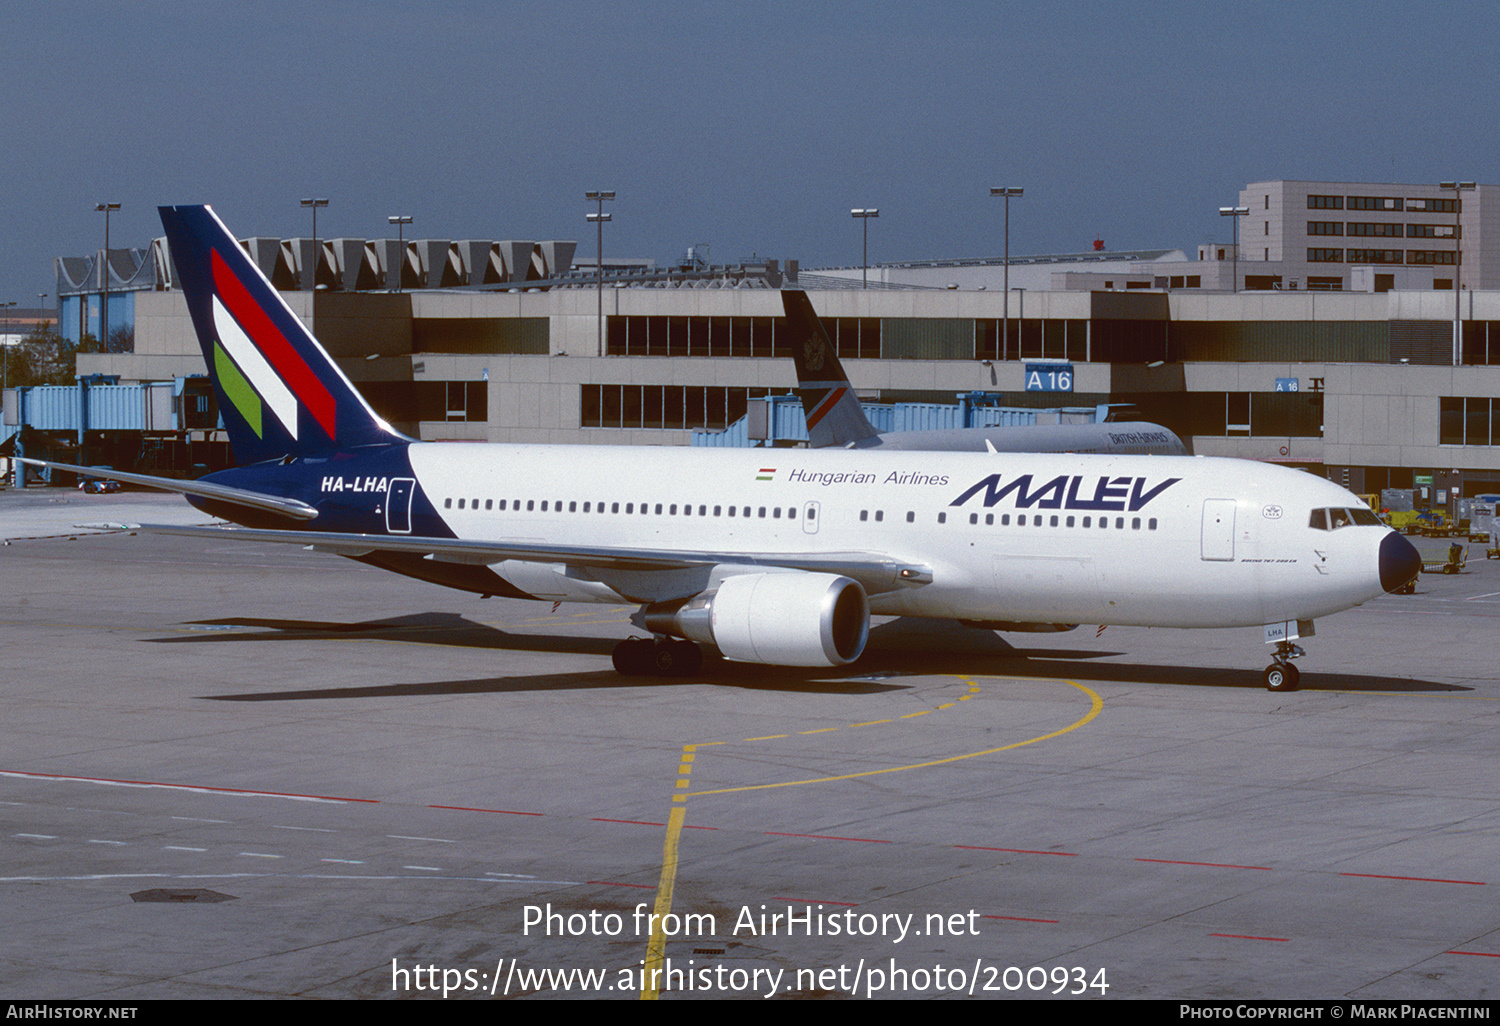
pixel 778 557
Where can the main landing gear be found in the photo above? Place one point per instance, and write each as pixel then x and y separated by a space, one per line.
pixel 657 657
pixel 1281 675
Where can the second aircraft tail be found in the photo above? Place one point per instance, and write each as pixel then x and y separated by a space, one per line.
pixel 834 415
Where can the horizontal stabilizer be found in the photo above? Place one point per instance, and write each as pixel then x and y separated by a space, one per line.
pixel 294 508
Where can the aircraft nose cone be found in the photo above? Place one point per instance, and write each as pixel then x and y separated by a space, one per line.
pixel 1400 562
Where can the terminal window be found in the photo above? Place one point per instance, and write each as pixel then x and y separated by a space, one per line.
pixel 1468 420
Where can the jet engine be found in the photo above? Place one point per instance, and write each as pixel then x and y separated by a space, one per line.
pixel 782 619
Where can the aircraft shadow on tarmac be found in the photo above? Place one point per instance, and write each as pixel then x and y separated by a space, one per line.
pixel 944 646
pixel 903 647
pixel 450 629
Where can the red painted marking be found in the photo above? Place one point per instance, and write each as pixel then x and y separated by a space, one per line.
pixel 822 409
pixel 1481 954
pixel 1417 879
pixel 500 812
pixel 273 345
pixel 824 901
pixel 826 837
pixel 616 883
pixel 1021 919
pixel 1215 865
pixel 192 787
pixel 1246 936
pixel 1015 851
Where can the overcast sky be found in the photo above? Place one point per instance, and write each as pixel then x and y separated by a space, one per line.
pixel 750 126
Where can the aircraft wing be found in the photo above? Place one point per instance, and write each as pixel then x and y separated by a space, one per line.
pixel 293 508
pixel 874 571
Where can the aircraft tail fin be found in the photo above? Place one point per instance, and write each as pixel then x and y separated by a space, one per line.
pixel 834 416
pixel 279 391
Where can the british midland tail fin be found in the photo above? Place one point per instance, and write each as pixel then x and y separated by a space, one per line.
pixel 834 416
pixel 279 391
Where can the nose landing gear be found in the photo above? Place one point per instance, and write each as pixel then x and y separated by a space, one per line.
pixel 1281 675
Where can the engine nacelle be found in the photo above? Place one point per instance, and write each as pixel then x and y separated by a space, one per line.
pixel 781 619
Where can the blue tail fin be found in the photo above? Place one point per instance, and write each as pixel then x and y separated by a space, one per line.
pixel 279 391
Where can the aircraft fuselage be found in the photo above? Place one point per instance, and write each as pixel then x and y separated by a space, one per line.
pixel 1163 541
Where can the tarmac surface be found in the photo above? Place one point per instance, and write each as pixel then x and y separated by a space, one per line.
pixel 342 783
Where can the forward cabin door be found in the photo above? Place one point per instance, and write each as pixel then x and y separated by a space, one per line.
pixel 1218 529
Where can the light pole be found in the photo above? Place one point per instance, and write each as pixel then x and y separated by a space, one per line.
pixel 599 196
pixel 400 221
pixel 1006 192
pixel 1458 189
pixel 311 284
pixel 1236 213
pixel 864 214
pixel 1021 324
pixel 106 208
pixel 5 381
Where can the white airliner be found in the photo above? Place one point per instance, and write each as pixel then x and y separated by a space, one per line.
pixel 770 556
pixel 835 417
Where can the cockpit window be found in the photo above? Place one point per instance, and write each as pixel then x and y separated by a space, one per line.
pixel 1333 519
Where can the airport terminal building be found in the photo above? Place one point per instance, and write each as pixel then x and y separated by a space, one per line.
pixel 1346 365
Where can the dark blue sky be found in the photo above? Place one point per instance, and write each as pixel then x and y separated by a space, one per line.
pixel 751 126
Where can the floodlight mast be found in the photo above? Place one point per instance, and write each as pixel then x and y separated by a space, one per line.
pixel 1236 213
pixel 1006 192
pixel 5 378
pixel 311 283
pixel 400 221
pixel 1458 189
pixel 106 209
pixel 864 214
pixel 599 196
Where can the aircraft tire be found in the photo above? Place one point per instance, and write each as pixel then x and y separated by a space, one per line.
pixel 1282 678
pixel 632 657
pixel 675 658
pixel 690 659
pixel 664 659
